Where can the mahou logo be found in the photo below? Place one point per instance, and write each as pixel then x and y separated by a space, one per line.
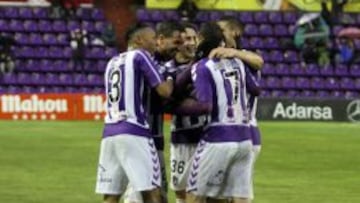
pixel 34 104
pixel 94 104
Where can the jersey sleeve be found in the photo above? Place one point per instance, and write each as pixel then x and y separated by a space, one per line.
pixel 149 68
pixel 252 83
pixel 201 77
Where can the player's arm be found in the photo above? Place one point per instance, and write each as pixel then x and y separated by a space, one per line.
pixel 203 93
pixel 253 59
pixel 165 88
pixel 252 84
pixel 151 71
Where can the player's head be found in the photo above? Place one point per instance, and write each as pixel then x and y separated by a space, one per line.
pixel 168 38
pixel 210 37
pixel 189 38
pixel 142 36
pixel 232 30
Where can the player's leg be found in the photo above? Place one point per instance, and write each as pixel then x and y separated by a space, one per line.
pixel 143 167
pixel 132 196
pixel 239 187
pixel 180 159
pixel 164 183
pixel 111 177
pixel 256 141
pixel 192 198
pixel 209 171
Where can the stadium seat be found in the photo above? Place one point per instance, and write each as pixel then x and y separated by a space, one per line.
pixel 331 84
pixel 25 13
pixel 312 70
pixel 347 84
pixel 246 17
pixel 288 83
pixel 341 70
pixel 45 26
pixel 282 69
pixel 40 13
pixel 281 30
pixel 327 70
pixel 289 17
pixel 271 43
pixel 59 26
pixel 302 83
pixel 317 83
pixel 265 30
pixel 275 17
pixel 261 17
pixel 251 30
pixel 97 14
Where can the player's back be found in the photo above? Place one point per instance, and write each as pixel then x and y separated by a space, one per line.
pixel 223 83
pixel 126 77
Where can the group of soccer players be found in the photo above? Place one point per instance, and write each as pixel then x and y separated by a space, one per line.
pixel 209 86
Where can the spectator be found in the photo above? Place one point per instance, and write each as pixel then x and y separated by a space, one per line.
pixel 79 40
pixel 63 9
pixel 6 60
pixel 109 36
pixel 311 37
pixel 346 52
pixel 187 10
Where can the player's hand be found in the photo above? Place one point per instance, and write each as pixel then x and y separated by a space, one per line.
pixel 222 52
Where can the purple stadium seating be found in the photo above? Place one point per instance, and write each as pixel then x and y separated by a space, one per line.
pixel 275 17
pixel 251 30
pixel 25 13
pixel 288 83
pixel 59 26
pixel 317 83
pixel 282 69
pixel 265 30
pixel 281 30
pixel 341 70
pixel 261 17
pixel 40 13
pixel 246 17
pixel 97 14
pixel 290 17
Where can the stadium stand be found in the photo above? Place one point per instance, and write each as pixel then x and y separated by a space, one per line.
pixel 42 51
pixel 283 74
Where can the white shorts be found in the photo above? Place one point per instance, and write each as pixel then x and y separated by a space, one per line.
pixel 221 170
pixel 180 160
pixel 256 151
pixel 132 196
pixel 127 159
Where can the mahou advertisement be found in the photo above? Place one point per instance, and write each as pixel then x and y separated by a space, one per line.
pixel 52 106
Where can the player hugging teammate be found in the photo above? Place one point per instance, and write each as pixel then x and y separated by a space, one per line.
pixel 209 87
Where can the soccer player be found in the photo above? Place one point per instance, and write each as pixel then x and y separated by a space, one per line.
pixel 232 30
pixel 222 161
pixel 127 151
pixel 168 40
pixel 185 130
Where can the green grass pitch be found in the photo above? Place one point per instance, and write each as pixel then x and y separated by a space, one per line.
pixel 43 162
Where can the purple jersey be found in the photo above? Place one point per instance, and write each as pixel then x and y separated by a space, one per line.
pixel 252 106
pixel 185 129
pixel 125 78
pixel 222 83
pixel 252 99
pixel 155 111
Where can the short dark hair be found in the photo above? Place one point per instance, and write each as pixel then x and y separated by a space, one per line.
pixel 189 25
pixel 167 28
pixel 134 28
pixel 232 21
pixel 212 37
